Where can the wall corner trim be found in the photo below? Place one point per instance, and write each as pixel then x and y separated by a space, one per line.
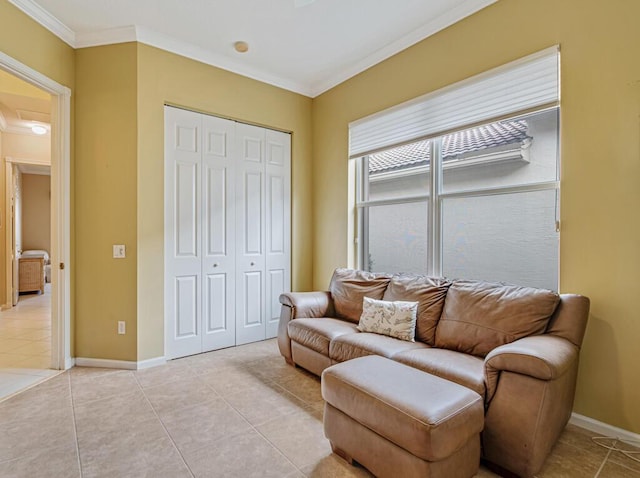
pixel 119 364
pixel 603 429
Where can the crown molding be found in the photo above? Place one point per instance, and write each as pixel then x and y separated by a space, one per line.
pixel 44 18
pixel 445 20
pixel 108 36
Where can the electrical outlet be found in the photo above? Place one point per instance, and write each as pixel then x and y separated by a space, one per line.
pixel 119 251
pixel 121 327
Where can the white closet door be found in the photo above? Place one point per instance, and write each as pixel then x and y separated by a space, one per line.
pixel 250 243
pixel 278 224
pixel 183 246
pixel 218 229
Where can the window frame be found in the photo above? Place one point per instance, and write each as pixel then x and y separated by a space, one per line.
pixel 436 196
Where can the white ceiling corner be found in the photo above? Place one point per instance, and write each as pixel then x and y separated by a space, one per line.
pixel 469 7
pixel 107 36
pixel 306 47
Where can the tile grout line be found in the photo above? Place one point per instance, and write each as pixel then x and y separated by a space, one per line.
pixel 252 426
pixel 264 437
pixel 606 458
pixel 163 426
pixel 75 423
pixel 269 421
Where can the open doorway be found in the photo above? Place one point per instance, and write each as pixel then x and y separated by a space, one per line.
pixel 34 258
pixel 25 245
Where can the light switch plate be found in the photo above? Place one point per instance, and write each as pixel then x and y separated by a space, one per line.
pixel 118 251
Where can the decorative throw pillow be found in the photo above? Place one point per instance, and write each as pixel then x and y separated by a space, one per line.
pixel 395 319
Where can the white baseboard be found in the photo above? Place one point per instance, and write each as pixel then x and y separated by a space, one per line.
pixel 154 362
pixel 106 363
pixel 119 364
pixel 603 429
pixel 69 362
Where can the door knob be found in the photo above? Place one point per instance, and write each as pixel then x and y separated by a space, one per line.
pixel 253 263
pixel 216 264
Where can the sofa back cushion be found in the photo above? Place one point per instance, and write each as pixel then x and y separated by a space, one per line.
pixel 428 292
pixel 480 316
pixel 349 287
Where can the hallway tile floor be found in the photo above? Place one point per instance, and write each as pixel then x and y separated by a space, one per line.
pixel 25 343
pixel 237 412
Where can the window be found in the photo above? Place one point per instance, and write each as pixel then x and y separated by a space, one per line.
pixel 479 202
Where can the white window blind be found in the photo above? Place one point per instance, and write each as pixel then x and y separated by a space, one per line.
pixel 521 85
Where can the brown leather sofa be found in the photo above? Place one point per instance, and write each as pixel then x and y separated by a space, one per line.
pixel 517 347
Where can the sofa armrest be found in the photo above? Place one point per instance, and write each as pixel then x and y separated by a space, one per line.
pixel 530 391
pixel 308 304
pixel 296 305
pixel 545 357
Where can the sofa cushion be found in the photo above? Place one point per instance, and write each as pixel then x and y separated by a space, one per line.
pixel 348 288
pixel 463 369
pixel 317 333
pixel 395 319
pixel 429 292
pixel 350 346
pixel 480 316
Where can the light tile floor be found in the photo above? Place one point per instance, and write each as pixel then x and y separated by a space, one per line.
pixel 25 343
pixel 238 412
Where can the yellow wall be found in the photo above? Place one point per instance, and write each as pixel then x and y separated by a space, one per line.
pixel 105 200
pixel 36 212
pixel 600 135
pixel 167 78
pixel 26 41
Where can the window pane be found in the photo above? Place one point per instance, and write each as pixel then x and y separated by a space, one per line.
pixel 505 238
pixel 400 172
pixel 398 238
pixel 504 153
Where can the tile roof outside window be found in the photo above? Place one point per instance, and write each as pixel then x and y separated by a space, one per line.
pixel 456 144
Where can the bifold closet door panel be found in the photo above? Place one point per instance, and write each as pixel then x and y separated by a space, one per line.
pixel 218 229
pixel 227 231
pixel 277 224
pixel 183 248
pixel 250 241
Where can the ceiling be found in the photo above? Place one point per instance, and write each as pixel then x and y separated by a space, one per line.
pixel 306 46
pixel 22 106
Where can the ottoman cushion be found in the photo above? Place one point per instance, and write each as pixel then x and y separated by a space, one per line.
pixel 426 415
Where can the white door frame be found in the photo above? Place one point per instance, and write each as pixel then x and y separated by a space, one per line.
pixel 60 207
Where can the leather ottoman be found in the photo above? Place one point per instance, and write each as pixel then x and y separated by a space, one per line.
pixel 399 421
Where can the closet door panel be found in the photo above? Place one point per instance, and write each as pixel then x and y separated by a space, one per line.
pixel 218 228
pixel 277 224
pixel 250 213
pixel 183 246
pixel 227 231
pixel 186 299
